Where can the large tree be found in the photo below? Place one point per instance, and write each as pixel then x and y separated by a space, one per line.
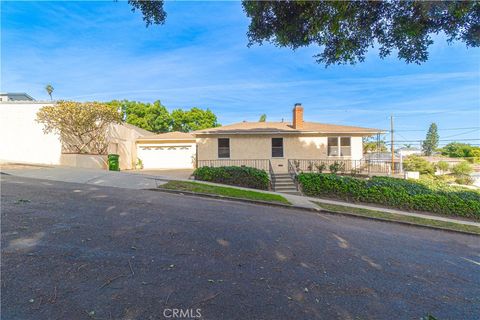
pixel 153 117
pixel 460 150
pixel 152 10
pixel 82 127
pixel 346 30
pixel 156 118
pixel 193 119
pixel 431 140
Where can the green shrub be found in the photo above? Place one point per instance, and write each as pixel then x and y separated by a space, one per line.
pixel 429 195
pixel 237 176
pixel 460 150
pixel 443 166
pixel 320 167
pixel 444 178
pixel 337 166
pixel 461 169
pixel 465 180
pixel 462 172
pixel 417 163
pixel 474 155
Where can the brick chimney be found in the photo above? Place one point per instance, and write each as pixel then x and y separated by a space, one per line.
pixel 297 116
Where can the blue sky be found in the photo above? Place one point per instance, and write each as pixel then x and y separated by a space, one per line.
pixel 102 51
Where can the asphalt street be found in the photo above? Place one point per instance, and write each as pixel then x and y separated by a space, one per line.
pixel 76 251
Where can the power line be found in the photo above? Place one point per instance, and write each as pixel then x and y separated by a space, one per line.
pixel 461 134
pixel 450 140
pixel 439 129
pixel 413 114
pixel 402 136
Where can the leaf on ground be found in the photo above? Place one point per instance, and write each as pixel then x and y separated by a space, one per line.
pixel 19 201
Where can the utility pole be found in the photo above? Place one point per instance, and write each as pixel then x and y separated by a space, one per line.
pixel 391 141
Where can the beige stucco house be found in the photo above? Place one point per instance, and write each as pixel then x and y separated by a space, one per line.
pixel 264 145
pixel 280 141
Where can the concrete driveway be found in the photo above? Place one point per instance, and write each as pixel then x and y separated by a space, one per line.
pixel 77 251
pixel 132 179
pixel 98 177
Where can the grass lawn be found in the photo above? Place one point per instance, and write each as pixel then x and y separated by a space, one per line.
pixel 223 191
pixel 398 217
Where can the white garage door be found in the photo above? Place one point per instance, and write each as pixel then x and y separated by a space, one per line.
pixel 167 156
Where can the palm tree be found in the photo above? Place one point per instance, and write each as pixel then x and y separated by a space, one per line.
pixel 49 89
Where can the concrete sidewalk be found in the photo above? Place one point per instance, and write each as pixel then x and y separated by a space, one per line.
pixel 394 211
pixel 130 180
pixel 308 202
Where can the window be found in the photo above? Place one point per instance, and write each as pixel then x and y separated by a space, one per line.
pixel 277 147
pixel 224 148
pixel 333 146
pixel 339 146
pixel 345 147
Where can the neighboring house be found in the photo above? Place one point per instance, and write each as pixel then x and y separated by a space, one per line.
pixel 405 152
pixel 172 150
pixel 279 142
pixel 19 96
pixel 22 138
pixel 381 156
pixel 383 159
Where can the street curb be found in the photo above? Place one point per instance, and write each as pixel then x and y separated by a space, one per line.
pixel 215 196
pixel 289 206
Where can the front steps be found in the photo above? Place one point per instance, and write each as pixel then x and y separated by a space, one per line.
pixel 284 184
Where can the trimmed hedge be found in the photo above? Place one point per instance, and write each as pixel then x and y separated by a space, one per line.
pixel 236 176
pixel 435 197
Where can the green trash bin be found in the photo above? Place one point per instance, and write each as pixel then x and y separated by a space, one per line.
pixel 113 164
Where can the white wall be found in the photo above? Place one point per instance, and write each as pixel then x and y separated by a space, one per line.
pixel 22 138
pixel 91 161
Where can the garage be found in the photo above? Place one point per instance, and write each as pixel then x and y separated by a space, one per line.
pixel 173 150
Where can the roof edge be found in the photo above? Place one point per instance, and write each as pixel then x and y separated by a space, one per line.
pixel 286 132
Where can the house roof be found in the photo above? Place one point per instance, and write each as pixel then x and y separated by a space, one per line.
pixel 175 135
pixel 285 127
pixel 16 96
